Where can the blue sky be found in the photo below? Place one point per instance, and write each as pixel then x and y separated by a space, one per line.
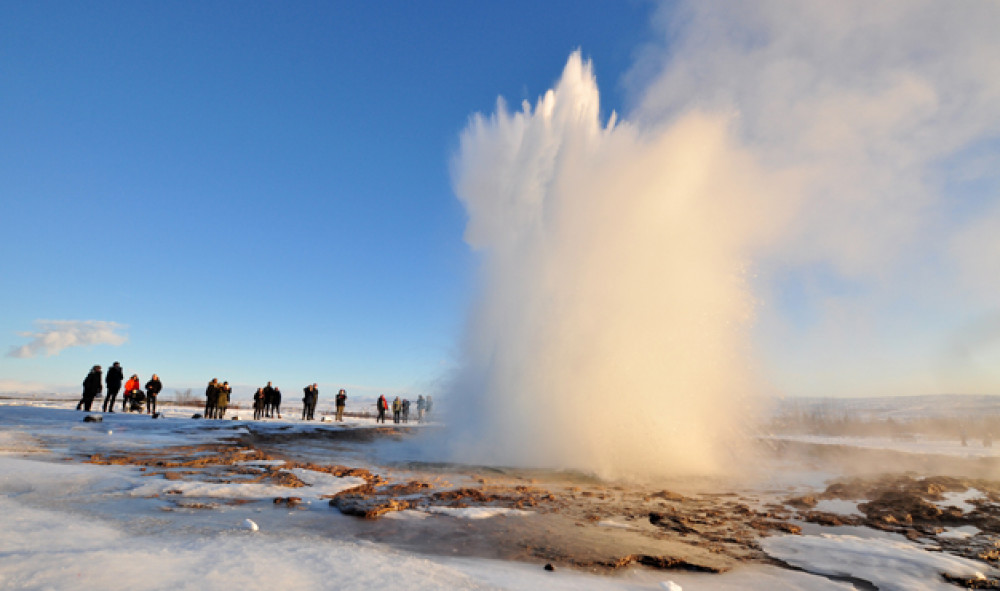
pixel 263 191
pixel 260 190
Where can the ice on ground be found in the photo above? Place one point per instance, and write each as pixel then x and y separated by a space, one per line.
pixel 614 524
pixel 960 533
pixel 838 506
pixel 961 499
pixel 476 512
pixel 407 515
pixel 320 484
pixel 890 566
pixel 259 462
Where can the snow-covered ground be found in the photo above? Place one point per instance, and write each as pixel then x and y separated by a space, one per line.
pixel 70 525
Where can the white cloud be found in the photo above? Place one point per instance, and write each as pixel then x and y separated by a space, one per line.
pixel 52 336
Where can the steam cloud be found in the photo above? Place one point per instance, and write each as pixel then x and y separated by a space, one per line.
pixel 53 336
pixel 772 143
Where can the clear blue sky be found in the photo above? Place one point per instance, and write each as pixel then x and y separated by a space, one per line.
pixel 260 190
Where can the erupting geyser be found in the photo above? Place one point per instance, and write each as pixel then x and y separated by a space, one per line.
pixel 610 334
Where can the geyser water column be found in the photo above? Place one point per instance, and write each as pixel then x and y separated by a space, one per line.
pixel 610 329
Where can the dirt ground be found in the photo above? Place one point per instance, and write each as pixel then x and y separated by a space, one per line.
pixel 587 525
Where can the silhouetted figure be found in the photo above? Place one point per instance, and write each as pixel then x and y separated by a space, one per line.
pixel 258 404
pixel 91 388
pixel 421 408
pixel 383 405
pixel 309 398
pixel 114 382
pixel 222 401
pixel 406 410
pixel 153 388
pixel 268 399
pixel 211 398
pixel 397 410
pixel 276 402
pixel 341 404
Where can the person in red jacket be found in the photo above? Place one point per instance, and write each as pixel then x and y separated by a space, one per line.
pixel 131 387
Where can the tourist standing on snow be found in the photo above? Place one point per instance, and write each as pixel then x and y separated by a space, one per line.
pixel 91 388
pixel 211 398
pixel 131 388
pixel 276 402
pixel 421 407
pixel 406 410
pixel 309 398
pixel 383 405
pixel 397 410
pixel 153 388
pixel 222 402
pixel 429 403
pixel 258 403
pixel 268 399
pixel 114 381
pixel 341 403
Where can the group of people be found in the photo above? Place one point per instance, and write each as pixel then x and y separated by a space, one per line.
pixel 266 402
pixel 401 409
pixel 217 399
pixel 133 396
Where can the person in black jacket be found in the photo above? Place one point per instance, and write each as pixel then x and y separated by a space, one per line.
pixel 91 388
pixel 341 403
pixel 258 403
pixel 212 398
pixel 268 399
pixel 276 402
pixel 114 381
pixel 309 398
pixel 153 387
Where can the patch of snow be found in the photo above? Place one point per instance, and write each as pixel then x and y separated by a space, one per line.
pixel 961 499
pixel 320 484
pixel 890 566
pixel 476 512
pixel 250 525
pixel 259 462
pixel 960 533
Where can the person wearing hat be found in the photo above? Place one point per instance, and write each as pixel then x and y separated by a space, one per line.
pixel 114 382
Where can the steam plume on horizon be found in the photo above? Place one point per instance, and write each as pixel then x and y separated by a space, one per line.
pixel 610 335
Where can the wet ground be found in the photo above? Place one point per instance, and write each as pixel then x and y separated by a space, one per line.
pixel 562 519
pixel 572 520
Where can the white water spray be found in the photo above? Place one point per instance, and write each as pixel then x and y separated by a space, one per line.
pixel 611 331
